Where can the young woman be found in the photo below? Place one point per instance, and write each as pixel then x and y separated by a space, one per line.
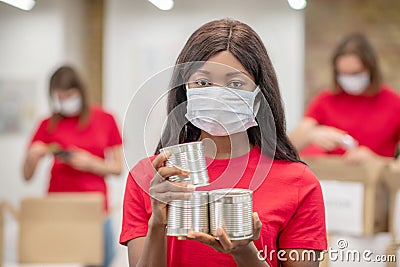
pixel 84 139
pixel 358 106
pixel 225 62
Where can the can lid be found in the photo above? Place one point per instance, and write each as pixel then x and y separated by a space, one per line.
pixel 185 147
pixel 231 195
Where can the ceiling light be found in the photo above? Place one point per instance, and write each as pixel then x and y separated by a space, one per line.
pixel 21 4
pixel 297 4
pixel 163 4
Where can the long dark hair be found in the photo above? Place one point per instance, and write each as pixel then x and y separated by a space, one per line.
pixel 65 78
pixel 357 44
pixel 244 43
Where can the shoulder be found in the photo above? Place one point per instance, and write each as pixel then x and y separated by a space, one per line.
pixel 46 120
pixel 389 93
pixel 142 173
pixel 98 111
pixel 144 164
pixel 324 95
pixel 389 99
pixel 294 173
pixel 319 101
pixel 43 123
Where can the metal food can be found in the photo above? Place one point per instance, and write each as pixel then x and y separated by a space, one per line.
pixel 189 157
pixel 188 215
pixel 232 210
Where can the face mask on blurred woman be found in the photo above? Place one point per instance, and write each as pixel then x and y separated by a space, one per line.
pixel 354 84
pixel 68 107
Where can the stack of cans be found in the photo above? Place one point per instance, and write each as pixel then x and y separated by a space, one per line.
pixel 204 211
pixel 190 214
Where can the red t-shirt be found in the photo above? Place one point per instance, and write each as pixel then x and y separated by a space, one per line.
pixel 374 121
pixel 99 133
pixel 287 197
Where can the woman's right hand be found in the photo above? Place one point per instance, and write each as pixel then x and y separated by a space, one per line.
pixel 162 191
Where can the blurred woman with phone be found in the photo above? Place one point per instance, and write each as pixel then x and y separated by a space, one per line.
pixel 83 138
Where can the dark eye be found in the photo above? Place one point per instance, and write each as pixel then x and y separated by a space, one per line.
pixel 235 84
pixel 202 83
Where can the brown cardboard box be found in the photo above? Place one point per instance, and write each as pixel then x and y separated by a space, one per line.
pixel 370 204
pixel 393 255
pixel 62 228
pixel 392 180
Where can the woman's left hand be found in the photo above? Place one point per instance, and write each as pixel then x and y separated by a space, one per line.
pixel 224 244
pixel 82 160
pixel 359 154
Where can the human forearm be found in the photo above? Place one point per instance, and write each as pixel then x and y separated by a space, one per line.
pixel 154 253
pixel 85 161
pixel 301 135
pixel 103 167
pixel 29 167
pixel 35 152
pixel 299 139
pixel 248 256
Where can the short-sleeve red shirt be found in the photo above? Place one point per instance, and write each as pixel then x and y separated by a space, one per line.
pixel 286 195
pixel 99 133
pixel 374 121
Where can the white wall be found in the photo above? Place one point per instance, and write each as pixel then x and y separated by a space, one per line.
pixel 32 45
pixel 141 40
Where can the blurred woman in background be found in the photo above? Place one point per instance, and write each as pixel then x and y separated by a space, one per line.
pixel 84 140
pixel 359 116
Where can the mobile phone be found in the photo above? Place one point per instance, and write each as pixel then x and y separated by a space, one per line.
pixel 59 152
pixel 64 155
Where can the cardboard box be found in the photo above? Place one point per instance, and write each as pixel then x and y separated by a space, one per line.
pixel 356 199
pixel 62 228
pixel 393 255
pixel 392 180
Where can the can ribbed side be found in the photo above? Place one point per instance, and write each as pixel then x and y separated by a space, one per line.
pixel 188 215
pixel 232 209
pixel 190 157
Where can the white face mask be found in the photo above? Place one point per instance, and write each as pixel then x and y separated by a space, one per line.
pixel 354 84
pixel 69 107
pixel 221 111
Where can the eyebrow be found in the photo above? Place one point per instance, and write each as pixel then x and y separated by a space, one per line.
pixel 202 71
pixel 228 74
pixel 236 73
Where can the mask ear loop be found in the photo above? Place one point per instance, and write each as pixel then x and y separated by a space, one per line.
pixel 257 101
pixel 185 127
pixel 185 134
pixel 55 103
